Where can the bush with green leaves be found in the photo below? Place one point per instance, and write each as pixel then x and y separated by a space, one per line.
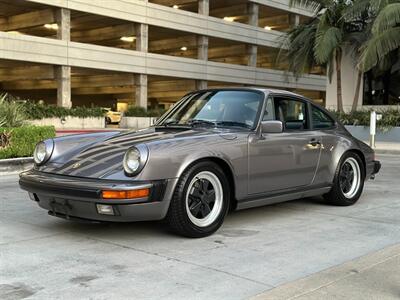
pixel 21 141
pixel 12 113
pixel 36 111
pixel 390 118
pixel 137 111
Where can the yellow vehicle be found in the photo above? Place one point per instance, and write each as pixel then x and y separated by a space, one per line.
pixel 113 117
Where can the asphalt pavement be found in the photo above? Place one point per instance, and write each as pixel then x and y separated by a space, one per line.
pixel 262 252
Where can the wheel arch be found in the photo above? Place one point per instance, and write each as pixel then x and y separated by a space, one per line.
pixel 226 168
pixel 361 155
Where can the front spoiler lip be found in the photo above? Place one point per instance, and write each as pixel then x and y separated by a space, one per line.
pixel 82 189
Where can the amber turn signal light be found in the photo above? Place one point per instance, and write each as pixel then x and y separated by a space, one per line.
pixel 129 194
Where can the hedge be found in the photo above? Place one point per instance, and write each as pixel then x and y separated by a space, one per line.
pixel 390 118
pixel 137 111
pixel 40 111
pixel 21 141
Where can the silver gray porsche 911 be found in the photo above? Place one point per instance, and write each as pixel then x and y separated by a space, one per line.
pixel 216 150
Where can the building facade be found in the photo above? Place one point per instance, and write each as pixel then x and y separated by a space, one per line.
pixel 370 91
pixel 115 53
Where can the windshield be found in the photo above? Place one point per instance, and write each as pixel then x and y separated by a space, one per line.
pixel 217 108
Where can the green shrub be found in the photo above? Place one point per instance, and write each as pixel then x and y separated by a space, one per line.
pixel 12 113
pixel 156 112
pixel 36 111
pixel 390 118
pixel 137 111
pixel 21 141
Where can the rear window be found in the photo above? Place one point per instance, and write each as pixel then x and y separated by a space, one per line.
pixel 321 120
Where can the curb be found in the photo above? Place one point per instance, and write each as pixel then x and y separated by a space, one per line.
pixel 13 166
pixel 305 287
pixel 387 151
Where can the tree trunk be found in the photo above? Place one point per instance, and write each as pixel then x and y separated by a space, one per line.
pixel 357 91
pixel 339 79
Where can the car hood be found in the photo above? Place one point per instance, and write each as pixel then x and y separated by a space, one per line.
pixel 102 158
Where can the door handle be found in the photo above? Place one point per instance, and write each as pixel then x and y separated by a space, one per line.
pixel 314 142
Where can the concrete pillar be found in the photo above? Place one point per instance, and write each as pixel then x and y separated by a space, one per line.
pixel 202 53
pixel 202 47
pixel 204 7
pixel 63 73
pixel 141 90
pixel 142 44
pixel 294 20
pixel 202 42
pixel 142 37
pixel 63 17
pixel 201 84
pixel 63 77
pixel 252 9
pixel 252 55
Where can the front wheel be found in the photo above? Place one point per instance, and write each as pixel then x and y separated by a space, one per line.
pixel 200 201
pixel 348 183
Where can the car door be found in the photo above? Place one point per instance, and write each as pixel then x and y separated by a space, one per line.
pixel 286 160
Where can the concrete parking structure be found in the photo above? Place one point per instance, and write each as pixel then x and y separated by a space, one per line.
pixel 148 53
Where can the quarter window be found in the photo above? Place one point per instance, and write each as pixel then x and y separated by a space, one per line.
pixel 320 119
pixel 269 111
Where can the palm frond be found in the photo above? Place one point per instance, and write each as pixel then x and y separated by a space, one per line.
pixel 313 5
pixel 357 10
pixel 296 49
pixel 379 46
pixel 328 39
pixel 387 17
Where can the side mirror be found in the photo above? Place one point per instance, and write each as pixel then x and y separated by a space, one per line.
pixel 271 127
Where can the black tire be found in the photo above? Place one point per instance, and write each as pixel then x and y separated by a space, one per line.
pixel 337 196
pixel 108 120
pixel 178 216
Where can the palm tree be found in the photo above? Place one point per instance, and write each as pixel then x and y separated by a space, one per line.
pixel 380 49
pixel 358 18
pixel 384 43
pixel 323 39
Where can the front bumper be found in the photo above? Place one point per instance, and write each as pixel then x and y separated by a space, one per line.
pixel 77 198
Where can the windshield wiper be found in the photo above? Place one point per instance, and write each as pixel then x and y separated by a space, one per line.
pixel 195 122
pixel 233 123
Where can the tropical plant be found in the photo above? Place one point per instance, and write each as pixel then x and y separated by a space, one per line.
pixel 382 48
pixel 321 41
pixel 379 51
pixel 12 113
pixel 20 142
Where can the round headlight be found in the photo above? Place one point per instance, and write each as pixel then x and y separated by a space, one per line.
pixel 43 151
pixel 135 159
pixel 40 153
pixel 132 160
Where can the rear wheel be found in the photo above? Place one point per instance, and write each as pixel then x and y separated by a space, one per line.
pixel 200 201
pixel 348 183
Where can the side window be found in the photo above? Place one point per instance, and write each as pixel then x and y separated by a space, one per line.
pixel 269 111
pixel 292 113
pixel 320 119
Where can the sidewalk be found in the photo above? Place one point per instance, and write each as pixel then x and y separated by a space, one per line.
pixel 387 148
pixel 374 276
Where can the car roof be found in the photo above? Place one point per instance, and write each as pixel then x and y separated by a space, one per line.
pixel 260 89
